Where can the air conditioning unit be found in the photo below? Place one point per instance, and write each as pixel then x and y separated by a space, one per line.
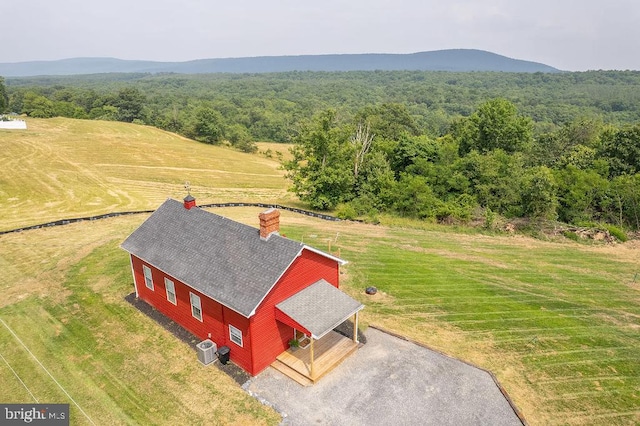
pixel 206 351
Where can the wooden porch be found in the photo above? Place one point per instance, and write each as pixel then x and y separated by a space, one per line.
pixel 326 353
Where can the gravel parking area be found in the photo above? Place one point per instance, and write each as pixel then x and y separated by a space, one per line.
pixel 389 381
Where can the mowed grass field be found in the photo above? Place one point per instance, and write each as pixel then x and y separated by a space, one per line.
pixel 60 168
pixel 69 336
pixel 557 322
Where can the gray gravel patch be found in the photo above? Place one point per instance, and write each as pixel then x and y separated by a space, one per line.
pixel 389 381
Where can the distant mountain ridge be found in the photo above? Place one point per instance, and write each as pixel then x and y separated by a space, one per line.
pixel 460 60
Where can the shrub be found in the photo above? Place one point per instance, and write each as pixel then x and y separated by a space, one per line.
pixel 490 219
pixel 616 232
pixel 346 211
pixel 372 217
pixel 571 235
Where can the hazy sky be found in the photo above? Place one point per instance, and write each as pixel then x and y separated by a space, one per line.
pixel 571 35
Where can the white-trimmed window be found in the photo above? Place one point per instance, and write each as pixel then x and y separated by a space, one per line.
pixel 171 291
pixel 148 278
pixel 196 307
pixel 235 335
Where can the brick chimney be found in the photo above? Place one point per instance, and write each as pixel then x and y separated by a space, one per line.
pixel 189 202
pixel 269 223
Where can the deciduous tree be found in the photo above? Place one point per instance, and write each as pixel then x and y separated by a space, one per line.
pixel 207 125
pixel 496 124
pixel 624 207
pixel 37 106
pixel 539 194
pixel 4 97
pixel 322 166
pixel 621 149
pixel 580 194
pixel 495 179
pixel 389 121
pixel 130 103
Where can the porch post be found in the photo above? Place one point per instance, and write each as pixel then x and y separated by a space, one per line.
pixel 311 353
pixel 355 327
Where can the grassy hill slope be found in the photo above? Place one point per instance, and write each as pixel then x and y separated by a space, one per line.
pixel 61 168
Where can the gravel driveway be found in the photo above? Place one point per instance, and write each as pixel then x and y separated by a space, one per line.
pixel 389 381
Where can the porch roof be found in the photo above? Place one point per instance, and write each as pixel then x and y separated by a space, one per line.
pixel 319 308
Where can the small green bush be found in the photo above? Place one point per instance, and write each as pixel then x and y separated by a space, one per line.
pixel 618 233
pixel 490 219
pixel 571 235
pixel 587 224
pixel 373 217
pixel 346 211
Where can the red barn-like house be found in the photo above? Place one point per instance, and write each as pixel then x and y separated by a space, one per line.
pixel 246 288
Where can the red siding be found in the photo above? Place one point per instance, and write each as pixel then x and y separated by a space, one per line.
pixel 270 337
pixel 239 355
pixel 215 317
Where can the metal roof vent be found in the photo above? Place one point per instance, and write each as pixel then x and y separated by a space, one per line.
pixel 206 351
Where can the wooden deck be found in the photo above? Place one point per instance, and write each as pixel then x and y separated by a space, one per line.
pixel 329 351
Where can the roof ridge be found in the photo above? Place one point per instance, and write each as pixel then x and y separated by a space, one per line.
pixel 222 258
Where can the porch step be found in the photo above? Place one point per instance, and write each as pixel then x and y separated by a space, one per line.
pixel 347 350
pixel 291 373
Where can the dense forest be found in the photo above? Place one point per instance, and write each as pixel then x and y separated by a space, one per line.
pixel 442 146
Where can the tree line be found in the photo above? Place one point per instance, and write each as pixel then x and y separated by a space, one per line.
pixel 433 145
pixel 584 173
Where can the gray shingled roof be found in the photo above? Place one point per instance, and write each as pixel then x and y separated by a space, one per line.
pixel 221 258
pixel 319 308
